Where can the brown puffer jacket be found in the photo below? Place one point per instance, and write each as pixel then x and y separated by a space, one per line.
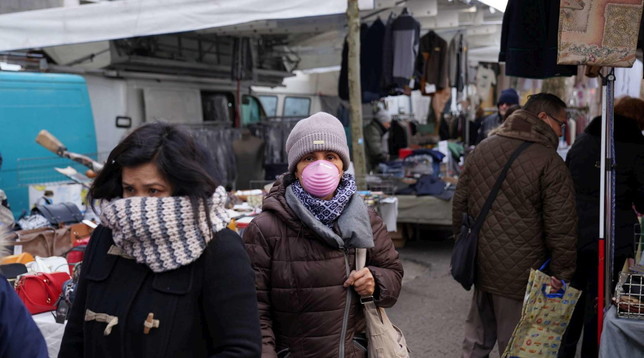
pixel 303 305
pixel 533 216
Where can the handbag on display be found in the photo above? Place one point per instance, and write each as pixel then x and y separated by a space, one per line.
pixel 384 340
pixel 61 213
pixel 48 265
pixel 43 242
pixel 22 258
pixel 76 254
pixel 12 271
pixel 463 261
pixel 41 291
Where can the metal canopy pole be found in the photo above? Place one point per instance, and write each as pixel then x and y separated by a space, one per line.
pixel 606 243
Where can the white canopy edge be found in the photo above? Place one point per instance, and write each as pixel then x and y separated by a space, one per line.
pixel 130 18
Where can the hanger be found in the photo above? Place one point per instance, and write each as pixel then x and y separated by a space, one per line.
pixel 404 11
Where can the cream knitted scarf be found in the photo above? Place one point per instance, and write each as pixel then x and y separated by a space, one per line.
pixel 162 233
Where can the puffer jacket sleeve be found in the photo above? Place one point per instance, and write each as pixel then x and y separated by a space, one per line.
pixel 384 264
pixel 260 253
pixel 459 201
pixel 559 218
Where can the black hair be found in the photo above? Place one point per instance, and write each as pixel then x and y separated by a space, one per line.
pixel 178 156
pixel 544 102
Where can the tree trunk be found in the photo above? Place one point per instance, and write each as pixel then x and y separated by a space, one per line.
pixel 355 99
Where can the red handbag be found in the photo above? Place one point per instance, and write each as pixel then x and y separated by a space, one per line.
pixel 76 254
pixel 40 292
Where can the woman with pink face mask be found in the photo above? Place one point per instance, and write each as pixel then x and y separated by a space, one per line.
pixel 302 247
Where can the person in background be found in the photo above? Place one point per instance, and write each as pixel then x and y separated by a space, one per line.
pixel 375 139
pixel 302 247
pixel 162 275
pixel 19 334
pixel 582 160
pixel 532 219
pixel 507 98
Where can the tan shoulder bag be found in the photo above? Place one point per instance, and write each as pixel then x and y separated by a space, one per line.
pixel 384 339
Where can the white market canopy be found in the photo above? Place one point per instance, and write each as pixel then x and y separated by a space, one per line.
pixel 132 18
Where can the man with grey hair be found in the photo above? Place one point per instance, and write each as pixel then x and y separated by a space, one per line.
pixel 532 219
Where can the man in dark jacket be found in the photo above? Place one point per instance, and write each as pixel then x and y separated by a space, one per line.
pixel 532 219
pixel 582 160
pixel 374 141
pixel 508 98
pixel 19 335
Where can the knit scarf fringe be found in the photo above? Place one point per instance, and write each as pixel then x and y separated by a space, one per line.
pixel 163 233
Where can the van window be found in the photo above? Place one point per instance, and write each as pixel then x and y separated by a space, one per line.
pixel 297 106
pixel 270 105
pixel 218 107
pixel 251 110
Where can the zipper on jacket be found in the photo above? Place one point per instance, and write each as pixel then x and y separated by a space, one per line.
pixel 345 318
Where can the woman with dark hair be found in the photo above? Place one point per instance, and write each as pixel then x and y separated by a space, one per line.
pixel 303 247
pixel 162 275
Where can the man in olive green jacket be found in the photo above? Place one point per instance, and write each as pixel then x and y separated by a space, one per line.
pixel 374 139
pixel 532 219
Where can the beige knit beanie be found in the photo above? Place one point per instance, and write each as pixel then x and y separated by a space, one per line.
pixel 320 131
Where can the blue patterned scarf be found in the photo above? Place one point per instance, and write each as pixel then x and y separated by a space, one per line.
pixel 327 211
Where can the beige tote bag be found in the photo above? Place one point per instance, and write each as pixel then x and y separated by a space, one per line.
pixel 384 339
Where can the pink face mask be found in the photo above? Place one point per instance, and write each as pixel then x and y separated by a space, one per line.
pixel 320 178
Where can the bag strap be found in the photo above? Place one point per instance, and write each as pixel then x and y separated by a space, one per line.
pixel 497 185
pixel 361 258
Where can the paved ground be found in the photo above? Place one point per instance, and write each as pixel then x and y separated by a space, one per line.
pixel 432 307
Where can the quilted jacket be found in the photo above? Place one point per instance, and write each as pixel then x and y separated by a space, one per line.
pixel 533 216
pixel 304 308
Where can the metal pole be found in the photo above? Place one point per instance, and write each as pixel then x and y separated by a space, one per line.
pixel 606 201
pixel 355 98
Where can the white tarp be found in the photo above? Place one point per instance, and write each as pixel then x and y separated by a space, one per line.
pixel 129 18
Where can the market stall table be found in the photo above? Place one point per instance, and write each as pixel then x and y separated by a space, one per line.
pixel 414 211
pixel 428 210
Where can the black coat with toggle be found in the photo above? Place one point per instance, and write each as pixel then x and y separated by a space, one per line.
pixel 205 309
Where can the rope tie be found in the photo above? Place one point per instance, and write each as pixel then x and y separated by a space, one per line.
pixel 102 317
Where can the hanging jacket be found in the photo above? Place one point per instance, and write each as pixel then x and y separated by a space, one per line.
pixel 431 62
pixel 583 162
pixel 371 62
pixel 300 269
pixel 405 38
pixel 533 216
pixel 457 62
pixel 529 40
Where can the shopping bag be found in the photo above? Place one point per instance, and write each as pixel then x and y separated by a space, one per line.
pixel 384 339
pixel 544 319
